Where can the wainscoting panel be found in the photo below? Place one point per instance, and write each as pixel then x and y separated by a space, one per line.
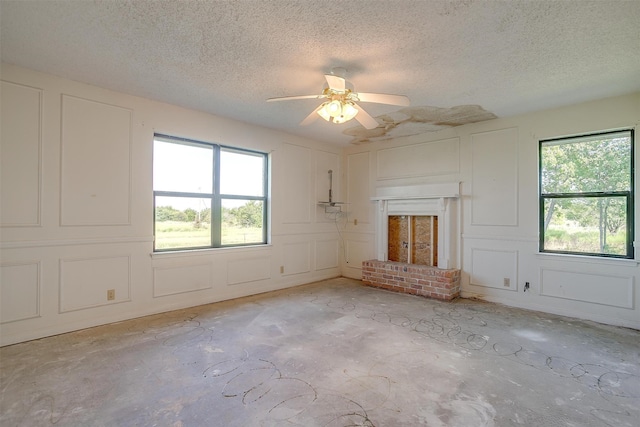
pixel 19 291
pixel 96 168
pixel 426 159
pixel 358 251
pixel 84 282
pixel 494 268
pixel 297 258
pixel 20 154
pixel 494 198
pixel 181 279
pixel 326 254
pixel 248 270
pixel 616 291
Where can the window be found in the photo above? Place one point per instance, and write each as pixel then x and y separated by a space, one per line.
pixel 207 195
pixel 586 195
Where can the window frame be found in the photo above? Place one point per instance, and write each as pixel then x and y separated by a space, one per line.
pixel 628 195
pixel 215 196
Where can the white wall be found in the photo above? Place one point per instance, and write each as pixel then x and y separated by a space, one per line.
pixel 497 163
pixel 77 217
pixel 76 210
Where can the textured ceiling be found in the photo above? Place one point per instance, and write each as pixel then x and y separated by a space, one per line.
pixel 454 59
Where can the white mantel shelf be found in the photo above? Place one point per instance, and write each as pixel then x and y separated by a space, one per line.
pixel 423 191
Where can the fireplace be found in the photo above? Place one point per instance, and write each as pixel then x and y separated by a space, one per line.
pixel 417 240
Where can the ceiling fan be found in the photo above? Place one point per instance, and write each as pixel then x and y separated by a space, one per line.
pixel 340 102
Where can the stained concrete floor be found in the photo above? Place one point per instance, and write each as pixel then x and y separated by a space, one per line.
pixel 334 353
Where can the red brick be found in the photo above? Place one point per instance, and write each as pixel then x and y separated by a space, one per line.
pixel 412 279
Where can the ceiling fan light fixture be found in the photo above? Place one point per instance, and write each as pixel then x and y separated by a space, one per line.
pixel 337 111
pixel 330 110
pixel 349 111
pixel 334 108
pixel 322 111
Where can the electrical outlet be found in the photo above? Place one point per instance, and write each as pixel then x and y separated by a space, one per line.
pixel 355 222
pixel 111 294
pixel 526 286
pixel 507 282
pixel 282 269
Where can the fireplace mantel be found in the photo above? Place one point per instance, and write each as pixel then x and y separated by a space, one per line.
pixel 426 199
pixel 422 191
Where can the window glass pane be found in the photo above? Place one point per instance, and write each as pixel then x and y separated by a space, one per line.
pixel 182 167
pixel 589 164
pixel 241 174
pixel 182 222
pixel 596 225
pixel 242 222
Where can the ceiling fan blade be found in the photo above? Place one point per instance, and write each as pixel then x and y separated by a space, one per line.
pixel 311 117
pixel 384 98
pixel 289 98
pixel 336 83
pixel 365 119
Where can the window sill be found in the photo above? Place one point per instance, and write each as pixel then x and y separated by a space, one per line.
pixel 209 251
pixel 585 259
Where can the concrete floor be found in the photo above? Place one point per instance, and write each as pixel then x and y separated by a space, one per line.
pixel 334 353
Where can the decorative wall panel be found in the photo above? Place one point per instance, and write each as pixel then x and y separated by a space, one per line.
pixel 19 291
pixel 20 154
pixel 326 162
pixel 358 192
pixel 178 280
pixel 297 258
pixel 84 282
pixel 358 251
pixel 494 268
pixel 297 184
pixel 494 199
pixel 426 159
pixel 96 169
pixel 603 289
pixel 326 254
pixel 248 270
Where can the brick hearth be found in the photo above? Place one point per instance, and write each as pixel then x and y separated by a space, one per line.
pixel 412 279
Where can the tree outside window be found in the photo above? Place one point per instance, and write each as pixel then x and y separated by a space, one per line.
pixel 586 195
